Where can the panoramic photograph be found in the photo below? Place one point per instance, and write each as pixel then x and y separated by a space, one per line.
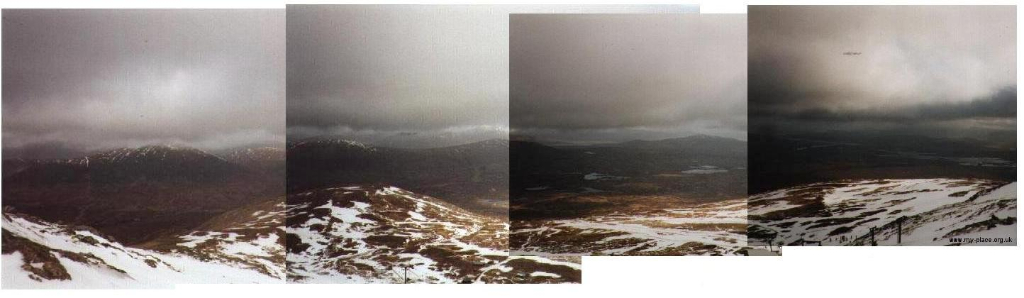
pixel 628 134
pixel 398 147
pixel 142 148
pixel 887 125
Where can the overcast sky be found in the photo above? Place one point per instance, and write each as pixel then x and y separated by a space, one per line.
pixel 407 76
pixel 97 79
pixel 610 78
pixel 925 68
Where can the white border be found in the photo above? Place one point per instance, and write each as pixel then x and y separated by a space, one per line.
pixel 802 272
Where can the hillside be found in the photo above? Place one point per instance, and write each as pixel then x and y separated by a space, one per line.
pixel 698 229
pixel 929 211
pixel 38 254
pixel 383 234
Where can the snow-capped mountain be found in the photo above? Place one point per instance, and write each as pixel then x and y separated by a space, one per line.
pixel 703 229
pixel 268 159
pixel 156 162
pixel 382 234
pixel 151 152
pixel 901 212
pixel 39 254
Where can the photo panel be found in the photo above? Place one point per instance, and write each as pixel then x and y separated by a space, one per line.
pixel 398 145
pixel 882 125
pixel 628 134
pixel 326 144
pixel 142 148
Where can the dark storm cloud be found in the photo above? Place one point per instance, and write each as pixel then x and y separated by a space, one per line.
pixel 96 79
pixel 616 77
pixel 1002 104
pixel 891 64
pixel 374 72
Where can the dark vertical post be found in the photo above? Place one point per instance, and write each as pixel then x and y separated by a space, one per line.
pixel 873 243
pixel 899 230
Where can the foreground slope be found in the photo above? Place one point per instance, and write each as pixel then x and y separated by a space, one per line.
pixel 382 234
pixel 250 237
pixel 678 196
pixel 902 212
pixel 699 229
pixel 38 254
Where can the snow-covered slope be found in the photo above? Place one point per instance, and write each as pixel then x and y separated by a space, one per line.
pixel 378 234
pixel 250 237
pixel 703 229
pixel 932 211
pixel 38 254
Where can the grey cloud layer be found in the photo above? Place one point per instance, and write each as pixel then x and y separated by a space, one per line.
pixel 93 79
pixel 378 67
pixel 620 75
pixel 405 70
pixel 890 64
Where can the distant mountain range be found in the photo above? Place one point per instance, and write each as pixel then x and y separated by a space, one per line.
pixel 644 166
pixel 677 151
pixel 409 139
pixel 783 161
pixel 268 159
pixel 473 176
pixel 136 194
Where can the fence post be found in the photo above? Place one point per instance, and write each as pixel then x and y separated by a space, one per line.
pixel 873 243
pixel 899 229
